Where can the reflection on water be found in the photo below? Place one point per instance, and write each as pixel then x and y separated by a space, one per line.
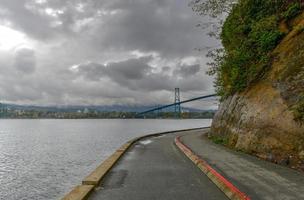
pixel 44 159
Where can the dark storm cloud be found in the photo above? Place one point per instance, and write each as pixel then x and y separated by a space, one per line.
pixel 131 69
pixel 138 75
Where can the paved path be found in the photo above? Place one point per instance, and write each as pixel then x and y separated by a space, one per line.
pixel 155 169
pixel 257 178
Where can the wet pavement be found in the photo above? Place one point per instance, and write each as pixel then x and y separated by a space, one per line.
pixel 257 178
pixel 155 169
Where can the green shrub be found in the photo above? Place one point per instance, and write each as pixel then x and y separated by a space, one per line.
pixel 249 34
pixel 265 34
pixel 218 140
pixel 292 11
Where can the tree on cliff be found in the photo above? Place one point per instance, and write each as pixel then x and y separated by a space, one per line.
pixel 248 35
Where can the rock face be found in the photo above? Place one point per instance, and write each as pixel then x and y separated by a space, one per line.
pixel 265 119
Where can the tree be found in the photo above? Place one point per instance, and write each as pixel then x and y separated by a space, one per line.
pixel 213 8
pixel 249 34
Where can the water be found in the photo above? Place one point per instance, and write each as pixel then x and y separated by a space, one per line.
pixel 45 159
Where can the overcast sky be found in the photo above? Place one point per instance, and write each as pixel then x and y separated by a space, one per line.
pixel 101 52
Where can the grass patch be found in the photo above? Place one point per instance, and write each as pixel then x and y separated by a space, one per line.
pixel 218 140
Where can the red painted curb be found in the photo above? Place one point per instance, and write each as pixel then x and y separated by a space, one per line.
pixel 208 169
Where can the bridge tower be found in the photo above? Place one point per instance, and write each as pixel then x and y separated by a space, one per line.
pixel 177 106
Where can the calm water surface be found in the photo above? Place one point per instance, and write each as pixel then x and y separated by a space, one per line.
pixel 44 159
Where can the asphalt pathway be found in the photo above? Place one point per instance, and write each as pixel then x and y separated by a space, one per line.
pixel 257 178
pixel 155 169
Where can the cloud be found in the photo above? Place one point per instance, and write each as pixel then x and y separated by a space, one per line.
pixel 132 69
pixel 187 70
pixel 138 75
pixel 91 71
pixel 25 60
pixel 150 26
pixel 102 52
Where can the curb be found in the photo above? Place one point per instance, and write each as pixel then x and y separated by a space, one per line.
pixel 82 192
pixel 221 182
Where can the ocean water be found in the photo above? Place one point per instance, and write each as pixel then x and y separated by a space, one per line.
pixel 44 159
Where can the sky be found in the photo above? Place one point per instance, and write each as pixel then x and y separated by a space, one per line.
pixel 105 52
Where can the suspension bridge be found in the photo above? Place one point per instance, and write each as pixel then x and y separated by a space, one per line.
pixel 177 104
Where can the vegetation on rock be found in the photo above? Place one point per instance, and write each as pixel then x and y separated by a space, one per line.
pixel 299 110
pixel 218 140
pixel 249 35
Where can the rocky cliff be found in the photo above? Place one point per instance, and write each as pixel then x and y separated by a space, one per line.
pixel 266 119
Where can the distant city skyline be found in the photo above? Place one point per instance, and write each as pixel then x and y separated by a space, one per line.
pixel 72 52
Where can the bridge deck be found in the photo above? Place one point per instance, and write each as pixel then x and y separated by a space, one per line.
pixel 178 103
